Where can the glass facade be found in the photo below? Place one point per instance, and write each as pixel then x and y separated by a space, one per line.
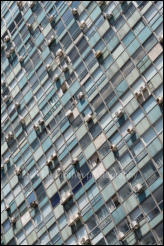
pixel 81 122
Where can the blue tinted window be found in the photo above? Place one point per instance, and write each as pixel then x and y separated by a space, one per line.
pixel 55 200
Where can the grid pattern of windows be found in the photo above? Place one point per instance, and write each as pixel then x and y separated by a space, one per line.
pixel 81 122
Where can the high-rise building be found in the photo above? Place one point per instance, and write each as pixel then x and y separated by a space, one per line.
pixel 81 122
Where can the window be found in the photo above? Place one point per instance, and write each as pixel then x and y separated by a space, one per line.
pixel 136 214
pixel 103 181
pixel 29 227
pixel 20 237
pixel 6 226
pixel 66 41
pixel 148 239
pixel 74 31
pixel 91 223
pixel 44 239
pixel 124 192
pixel 158 195
pixel 150 208
pixel 116 201
pixel 90 60
pixel 102 213
pixel 114 170
pixel 40 192
pixel 31 198
pixel 46 209
pixel 55 200
pixel 159 159
pixel 123 226
pixel 150 173
pixel 119 22
pixel 148 136
pixel 53 230
pixel 95 130
pixel 113 203
pixel 149 43
pixel 82 45
pixel 150 13
pixel 159 231
pixel 112 238
pixel 104 150
pixel 37 218
pixel 84 141
pixel 137 148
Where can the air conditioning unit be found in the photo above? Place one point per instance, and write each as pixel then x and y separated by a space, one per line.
pixel 7 208
pixel 40 28
pixel 134 225
pixel 51 39
pixel 12 50
pixel 159 100
pixel 138 94
pixel 88 118
pixel 65 68
pixel 22 121
pixel 130 130
pixel 48 67
pixel 31 4
pixel 69 113
pixel 143 89
pixel 33 204
pixel 21 59
pixel 80 95
pixel 74 219
pixel 59 52
pixel 11 135
pixel 108 16
pixel 138 188
pixel 59 171
pixel 85 241
pixel 51 18
pixel 8 55
pixel 7 38
pixel 29 26
pixel 6 98
pixel 119 113
pixel 68 60
pixel 2 46
pixel 56 77
pixel 64 87
pixel 7 139
pixel 100 3
pixel 75 161
pixel 17 105
pixel 36 127
pixel 113 148
pixel 3 84
pixel 18 171
pixel 65 197
pixel 48 162
pixel 19 4
pixel 41 122
pixel 12 220
pixel 161 40
pixel 74 11
pixel 120 236
pixel 6 161
pixel 98 54
pixel 82 25
pixel 53 156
